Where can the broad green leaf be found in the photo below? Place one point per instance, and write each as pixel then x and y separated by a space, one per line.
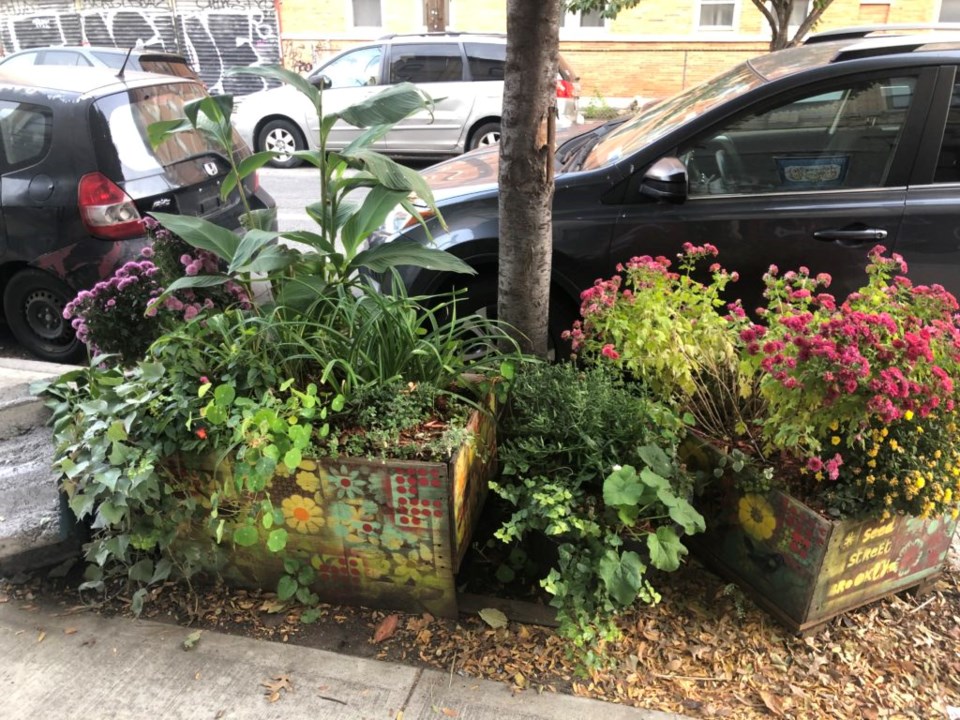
pixel 368 137
pixel 246 535
pixel 623 487
pixel 270 259
pixel 250 244
pixel 275 72
pixel 201 234
pixel 389 106
pixel 622 575
pixel 249 164
pixel 117 432
pixel 162 571
pixel 286 588
pixel 261 219
pixel 186 282
pixel 109 514
pixel 292 458
pixel 159 131
pixel 141 571
pixel 656 459
pixel 665 549
pixel 684 515
pixel 387 172
pixel 406 251
pixel 277 540
pixel 136 602
pixel 378 203
pixel 314 240
pixel 213 109
pixel 301 292
pixel 224 395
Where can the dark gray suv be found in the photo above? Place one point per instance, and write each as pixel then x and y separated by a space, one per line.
pixel 77 177
pixel 809 156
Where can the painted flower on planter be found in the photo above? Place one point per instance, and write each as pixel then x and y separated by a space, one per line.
pixel 309 481
pixel 303 514
pixel 756 516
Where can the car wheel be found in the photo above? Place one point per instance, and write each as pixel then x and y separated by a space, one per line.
pixel 478 295
pixel 484 136
pixel 283 138
pixel 33 303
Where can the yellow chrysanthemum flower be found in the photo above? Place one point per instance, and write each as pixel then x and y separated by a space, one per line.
pixel 908 415
pixel 835 440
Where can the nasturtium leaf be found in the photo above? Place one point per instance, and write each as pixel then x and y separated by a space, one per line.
pixel 246 536
pixel 224 395
pixel 286 588
pixel 277 540
pixel 292 458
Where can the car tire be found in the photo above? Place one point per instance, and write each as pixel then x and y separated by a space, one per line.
pixel 484 136
pixel 33 303
pixel 478 295
pixel 282 136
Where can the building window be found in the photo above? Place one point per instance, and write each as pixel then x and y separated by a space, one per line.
pixel 592 19
pixel 950 11
pixel 366 13
pixel 716 14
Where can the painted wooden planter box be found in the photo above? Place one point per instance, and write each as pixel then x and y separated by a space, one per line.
pixel 805 569
pixel 387 534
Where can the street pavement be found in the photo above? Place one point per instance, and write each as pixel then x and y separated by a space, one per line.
pixel 64 665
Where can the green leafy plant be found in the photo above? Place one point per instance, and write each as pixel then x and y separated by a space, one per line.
pixel 337 251
pixel 563 435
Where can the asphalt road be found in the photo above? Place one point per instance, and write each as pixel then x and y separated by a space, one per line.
pixel 292 189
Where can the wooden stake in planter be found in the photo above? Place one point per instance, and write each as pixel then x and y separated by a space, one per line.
pixel 805 569
pixel 379 533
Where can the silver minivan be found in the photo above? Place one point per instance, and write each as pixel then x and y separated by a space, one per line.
pixel 463 72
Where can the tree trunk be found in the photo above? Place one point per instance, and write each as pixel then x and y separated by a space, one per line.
pixel 526 157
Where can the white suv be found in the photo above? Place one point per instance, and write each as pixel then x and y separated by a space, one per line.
pixel 463 72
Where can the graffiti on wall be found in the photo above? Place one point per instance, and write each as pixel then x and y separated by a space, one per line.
pixel 214 35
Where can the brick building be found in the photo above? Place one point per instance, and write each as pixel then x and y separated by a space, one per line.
pixel 655 49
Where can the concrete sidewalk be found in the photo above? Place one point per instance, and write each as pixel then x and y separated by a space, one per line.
pixel 60 665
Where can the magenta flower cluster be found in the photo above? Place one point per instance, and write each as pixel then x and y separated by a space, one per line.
pixel 889 351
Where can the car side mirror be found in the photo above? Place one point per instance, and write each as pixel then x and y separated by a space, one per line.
pixel 321 81
pixel 665 180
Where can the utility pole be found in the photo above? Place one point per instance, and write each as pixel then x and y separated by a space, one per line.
pixel 435 15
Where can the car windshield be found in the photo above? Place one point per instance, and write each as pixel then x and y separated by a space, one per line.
pixel 655 122
pixel 120 125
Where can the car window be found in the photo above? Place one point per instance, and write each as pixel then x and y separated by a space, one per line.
pixel 25 133
pixel 119 127
pixel 65 57
pixel 837 138
pixel 111 60
pixel 427 63
pixel 23 60
pixel 653 123
pixel 485 60
pixel 167 67
pixel 355 69
pixel 948 161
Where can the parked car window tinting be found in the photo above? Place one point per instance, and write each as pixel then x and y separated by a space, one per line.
pixel 122 120
pixel 840 139
pixel 655 122
pixel 948 161
pixel 23 60
pixel 426 63
pixel 113 60
pixel 355 69
pixel 25 132
pixel 485 60
pixel 65 57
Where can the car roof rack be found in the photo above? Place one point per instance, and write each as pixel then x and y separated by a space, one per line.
pixel 444 33
pixel 893 29
pixel 895 44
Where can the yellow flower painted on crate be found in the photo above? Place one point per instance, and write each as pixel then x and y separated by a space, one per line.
pixel 303 514
pixel 756 516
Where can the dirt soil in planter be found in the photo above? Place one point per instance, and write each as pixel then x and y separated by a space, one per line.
pixel 705 651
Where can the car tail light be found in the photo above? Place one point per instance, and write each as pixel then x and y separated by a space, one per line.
pixel 106 210
pixel 254 181
pixel 566 89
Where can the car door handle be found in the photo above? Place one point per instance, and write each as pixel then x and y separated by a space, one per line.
pixel 858 235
